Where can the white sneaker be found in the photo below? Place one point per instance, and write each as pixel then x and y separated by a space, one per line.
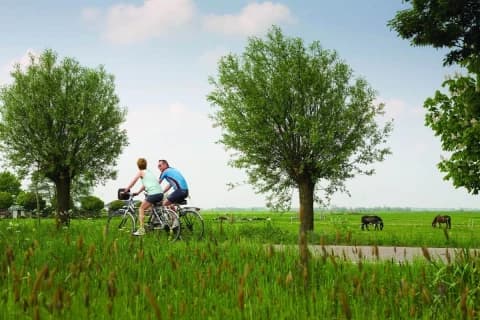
pixel 139 232
pixel 175 223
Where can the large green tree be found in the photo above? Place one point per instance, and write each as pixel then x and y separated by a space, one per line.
pixel 62 120
pixel 452 24
pixel 296 119
pixel 453 116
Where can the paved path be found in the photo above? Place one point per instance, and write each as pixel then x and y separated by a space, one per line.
pixel 396 254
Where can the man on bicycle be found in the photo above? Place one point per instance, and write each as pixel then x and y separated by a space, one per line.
pixel 175 180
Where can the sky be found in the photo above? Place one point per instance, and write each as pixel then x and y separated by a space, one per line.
pixel 162 52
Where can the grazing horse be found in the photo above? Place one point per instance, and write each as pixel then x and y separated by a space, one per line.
pixel 375 220
pixel 442 219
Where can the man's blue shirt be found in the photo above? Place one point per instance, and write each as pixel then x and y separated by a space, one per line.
pixel 174 178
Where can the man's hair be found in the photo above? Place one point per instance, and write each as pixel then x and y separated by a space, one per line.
pixel 164 161
pixel 142 163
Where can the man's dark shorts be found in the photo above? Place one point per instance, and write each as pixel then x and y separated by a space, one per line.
pixel 154 198
pixel 177 196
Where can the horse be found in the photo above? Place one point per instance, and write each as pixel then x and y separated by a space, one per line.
pixel 442 219
pixel 375 220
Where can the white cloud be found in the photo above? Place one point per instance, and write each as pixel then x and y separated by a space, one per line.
pixel 23 61
pixel 91 14
pixel 255 18
pixel 211 57
pixel 127 24
pixel 394 108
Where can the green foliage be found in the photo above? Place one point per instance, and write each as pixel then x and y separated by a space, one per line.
pixel 296 119
pixel 116 204
pixel 442 24
pixel 92 204
pixel 451 24
pixel 28 200
pixel 9 183
pixel 63 121
pixel 6 200
pixel 456 119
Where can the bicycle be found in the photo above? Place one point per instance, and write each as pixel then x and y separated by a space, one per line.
pixel 191 222
pixel 161 218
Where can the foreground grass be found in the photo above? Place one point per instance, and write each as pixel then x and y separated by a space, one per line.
pixel 83 273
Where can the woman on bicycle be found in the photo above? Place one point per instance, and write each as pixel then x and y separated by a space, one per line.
pixel 153 188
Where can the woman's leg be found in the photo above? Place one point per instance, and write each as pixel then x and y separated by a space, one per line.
pixel 141 212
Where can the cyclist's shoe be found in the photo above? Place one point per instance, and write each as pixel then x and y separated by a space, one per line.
pixel 139 232
pixel 175 224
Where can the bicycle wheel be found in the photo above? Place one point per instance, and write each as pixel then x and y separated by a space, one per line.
pixel 171 224
pixel 121 223
pixel 192 227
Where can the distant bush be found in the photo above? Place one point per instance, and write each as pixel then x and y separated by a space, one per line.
pixel 91 206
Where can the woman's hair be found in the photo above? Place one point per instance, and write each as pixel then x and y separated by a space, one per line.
pixel 142 163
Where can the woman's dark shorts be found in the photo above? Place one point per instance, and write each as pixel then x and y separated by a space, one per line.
pixel 154 198
pixel 177 196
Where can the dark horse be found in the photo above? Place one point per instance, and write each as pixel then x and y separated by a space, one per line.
pixel 442 219
pixel 375 220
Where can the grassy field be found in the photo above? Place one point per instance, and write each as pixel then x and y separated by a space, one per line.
pixel 234 273
pixel 401 228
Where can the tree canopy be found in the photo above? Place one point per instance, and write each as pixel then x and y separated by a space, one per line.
pixel 453 24
pixel 296 119
pixel 456 119
pixel 63 121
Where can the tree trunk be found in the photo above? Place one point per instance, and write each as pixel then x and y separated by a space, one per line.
pixel 306 188
pixel 62 187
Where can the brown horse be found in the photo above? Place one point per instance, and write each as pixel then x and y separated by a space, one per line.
pixel 442 219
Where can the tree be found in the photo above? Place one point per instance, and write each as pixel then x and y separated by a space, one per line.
pixel 6 200
pixel 451 24
pixel 456 119
pixel 442 24
pixel 9 183
pixel 62 120
pixel 30 201
pixel 92 204
pixel 295 120
pixel 116 205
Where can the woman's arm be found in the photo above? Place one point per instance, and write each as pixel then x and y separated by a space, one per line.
pixel 135 179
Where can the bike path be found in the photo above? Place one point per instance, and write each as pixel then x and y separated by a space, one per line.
pixel 395 254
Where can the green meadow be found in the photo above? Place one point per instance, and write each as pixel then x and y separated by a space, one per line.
pixel 235 272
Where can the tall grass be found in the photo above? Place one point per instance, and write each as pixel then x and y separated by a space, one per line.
pixel 234 273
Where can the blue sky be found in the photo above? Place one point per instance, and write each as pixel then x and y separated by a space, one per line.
pixel 162 52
